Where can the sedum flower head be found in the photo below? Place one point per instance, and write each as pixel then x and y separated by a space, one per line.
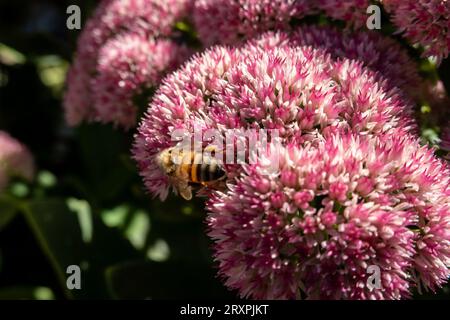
pixel 423 22
pixel 301 92
pixel 377 52
pixel 129 66
pixel 229 21
pixel 382 55
pixel 146 18
pixel 330 212
pixel 353 12
pixel 15 160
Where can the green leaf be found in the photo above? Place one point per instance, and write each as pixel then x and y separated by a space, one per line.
pixel 79 238
pixel 26 293
pixel 102 148
pixel 52 70
pixel 46 179
pixel 59 234
pixel 8 210
pixel 10 56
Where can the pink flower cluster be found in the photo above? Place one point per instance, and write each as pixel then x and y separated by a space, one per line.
pixel 140 33
pixel 127 66
pixel 423 22
pixel 353 12
pixel 299 91
pixel 229 21
pixel 374 51
pixel 329 213
pixel 15 160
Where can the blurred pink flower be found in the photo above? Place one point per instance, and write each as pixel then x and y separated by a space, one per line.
pixel 15 160
pixel 128 66
pixel 435 95
pixel 229 21
pixel 350 202
pixel 147 18
pixel 77 99
pixel 300 92
pixel 352 12
pixel 423 22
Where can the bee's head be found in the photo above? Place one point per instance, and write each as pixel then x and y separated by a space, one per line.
pixel 164 159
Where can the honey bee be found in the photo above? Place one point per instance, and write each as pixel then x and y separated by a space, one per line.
pixel 190 169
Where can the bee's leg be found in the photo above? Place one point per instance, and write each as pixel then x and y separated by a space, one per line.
pixel 186 192
pixel 220 184
pixel 184 189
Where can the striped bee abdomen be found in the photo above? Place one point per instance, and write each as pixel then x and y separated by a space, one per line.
pixel 206 172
